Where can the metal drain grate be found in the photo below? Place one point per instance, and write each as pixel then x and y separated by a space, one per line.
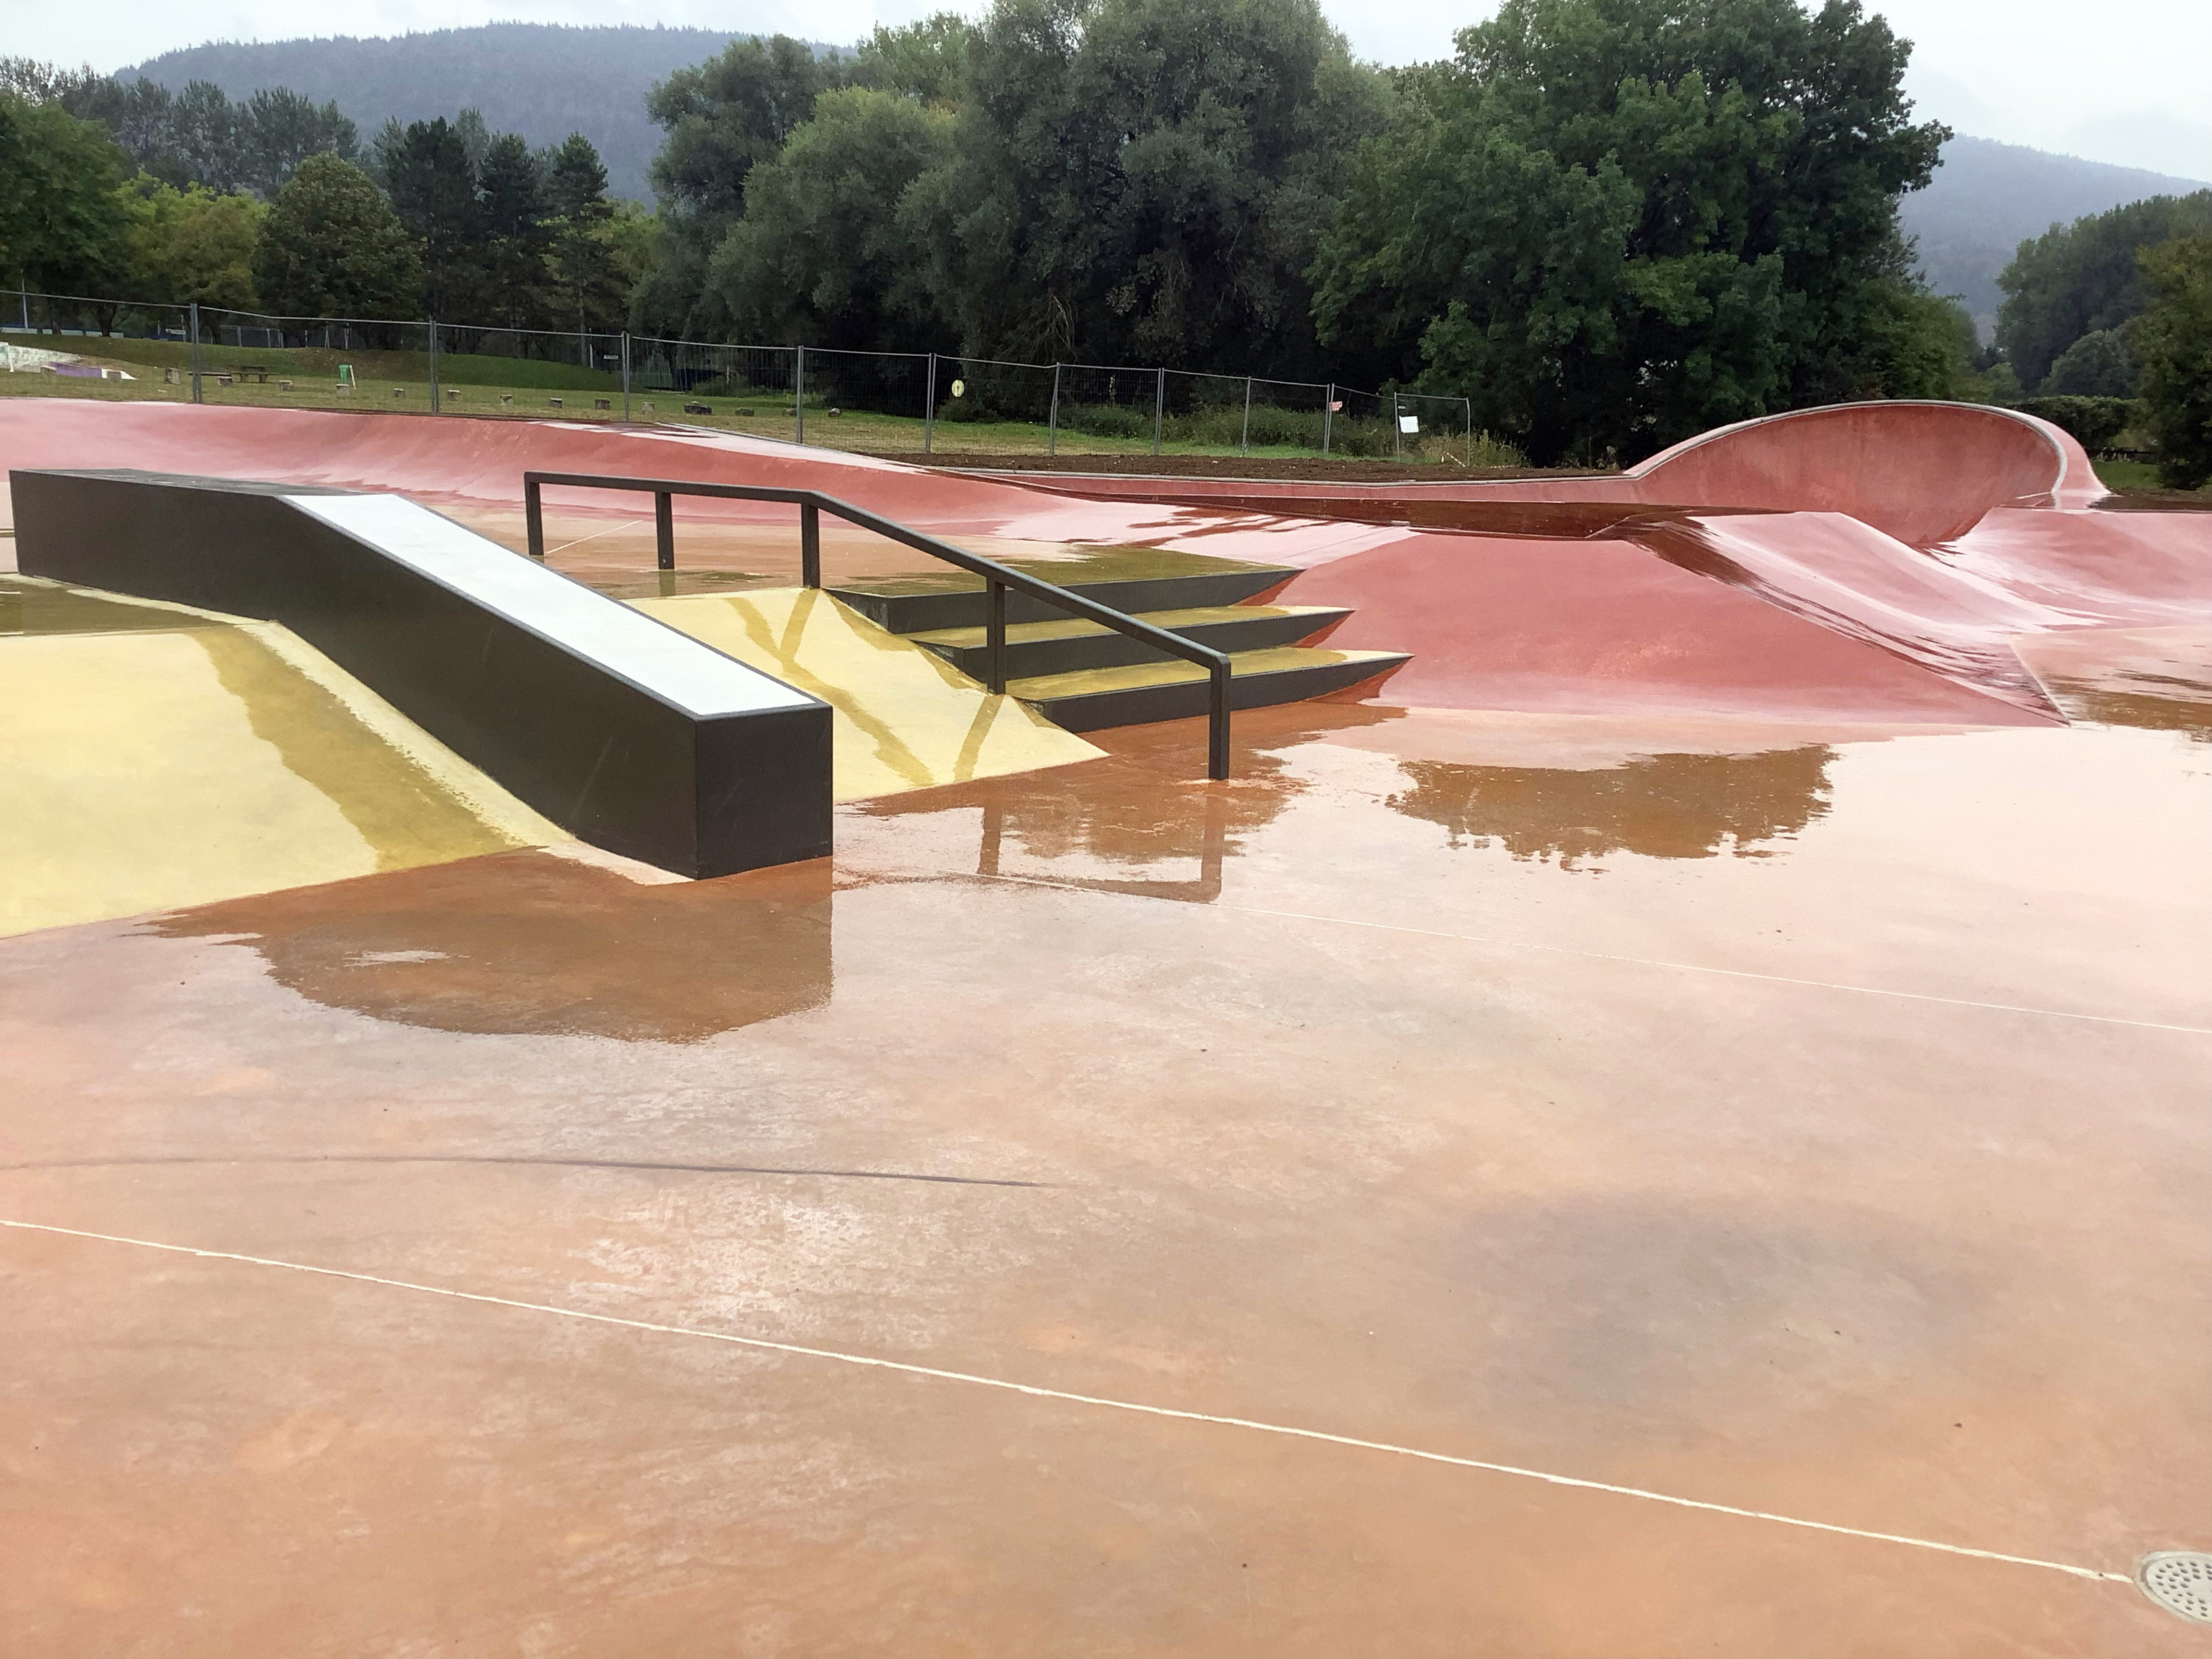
pixel 2180 1581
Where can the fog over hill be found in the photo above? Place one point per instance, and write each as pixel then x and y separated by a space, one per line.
pixel 544 81
pixel 1988 198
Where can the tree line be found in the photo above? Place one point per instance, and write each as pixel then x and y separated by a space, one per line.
pixel 272 205
pixel 2107 323
pixel 1610 223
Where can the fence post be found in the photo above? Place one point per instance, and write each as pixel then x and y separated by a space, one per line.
pixel 1244 438
pixel 1052 421
pixel 1469 402
pixel 1159 409
pixel 1397 432
pixel 625 372
pixel 798 394
pixel 929 406
pixel 434 366
pixel 192 325
pixel 1328 414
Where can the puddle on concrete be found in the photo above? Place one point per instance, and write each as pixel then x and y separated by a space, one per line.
pixel 528 944
pixel 1662 806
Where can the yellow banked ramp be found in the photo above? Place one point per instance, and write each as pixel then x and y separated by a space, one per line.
pixel 158 757
pixel 904 718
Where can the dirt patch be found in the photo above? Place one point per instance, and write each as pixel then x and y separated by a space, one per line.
pixel 1318 468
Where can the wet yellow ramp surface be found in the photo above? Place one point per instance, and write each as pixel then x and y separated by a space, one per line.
pixel 905 718
pixel 157 757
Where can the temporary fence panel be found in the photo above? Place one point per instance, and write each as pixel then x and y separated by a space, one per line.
pixel 886 402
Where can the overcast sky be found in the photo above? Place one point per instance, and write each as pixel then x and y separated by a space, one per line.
pixel 2057 74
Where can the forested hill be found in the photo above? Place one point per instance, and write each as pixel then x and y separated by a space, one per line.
pixel 1988 198
pixel 541 79
pixel 545 81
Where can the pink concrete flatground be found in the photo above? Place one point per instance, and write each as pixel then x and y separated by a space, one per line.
pixel 1557 1172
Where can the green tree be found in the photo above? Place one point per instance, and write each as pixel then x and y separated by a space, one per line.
pixel 2098 365
pixel 514 285
pixel 2084 277
pixel 1615 223
pixel 279 129
pixel 1910 343
pixel 588 263
pixel 433 185
pixel 1144 180
pixel 822 257
pixel 2171 341
pixel 723 118
pixel 207 135
pixel 331 247
pixel 926 59
pixel 62 227
pixel 191 244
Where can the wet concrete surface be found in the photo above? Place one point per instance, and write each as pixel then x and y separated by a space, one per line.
pixel 157 756
pixel 1805 1118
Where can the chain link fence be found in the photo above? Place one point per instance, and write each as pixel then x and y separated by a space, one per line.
pixel 894 403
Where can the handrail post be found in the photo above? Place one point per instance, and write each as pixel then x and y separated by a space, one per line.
pixel 1159 409
pixel 664 528
pixel 810 544
pixel 1052 422
pixel 534 516
pixel 997 627
pixel 929 406
pixel 1216 735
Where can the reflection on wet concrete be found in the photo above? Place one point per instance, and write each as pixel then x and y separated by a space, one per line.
pixel 32 605
pixel 529 944
pixel 2146 710
pixel 1122 813
pixel 2157 678
pixel 161 757
pixel 1666 806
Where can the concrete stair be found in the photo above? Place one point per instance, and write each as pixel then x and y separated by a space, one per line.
pixel 1085 676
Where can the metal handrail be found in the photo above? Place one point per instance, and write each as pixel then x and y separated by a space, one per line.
pixel 998 578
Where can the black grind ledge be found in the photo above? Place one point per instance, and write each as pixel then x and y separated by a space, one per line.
pixel 625 733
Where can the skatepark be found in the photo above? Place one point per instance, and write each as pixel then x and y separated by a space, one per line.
pixel 1657 1107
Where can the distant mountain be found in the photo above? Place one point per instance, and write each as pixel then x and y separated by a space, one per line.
pixel 1988 198
pixel 541 79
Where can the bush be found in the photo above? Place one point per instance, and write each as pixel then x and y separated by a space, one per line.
pixel 2098 365
pixel 2094 422
pixel 2172 341
pixel 1106 421
pixel 964 410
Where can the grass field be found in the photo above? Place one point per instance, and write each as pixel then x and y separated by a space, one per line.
pixel 387 381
